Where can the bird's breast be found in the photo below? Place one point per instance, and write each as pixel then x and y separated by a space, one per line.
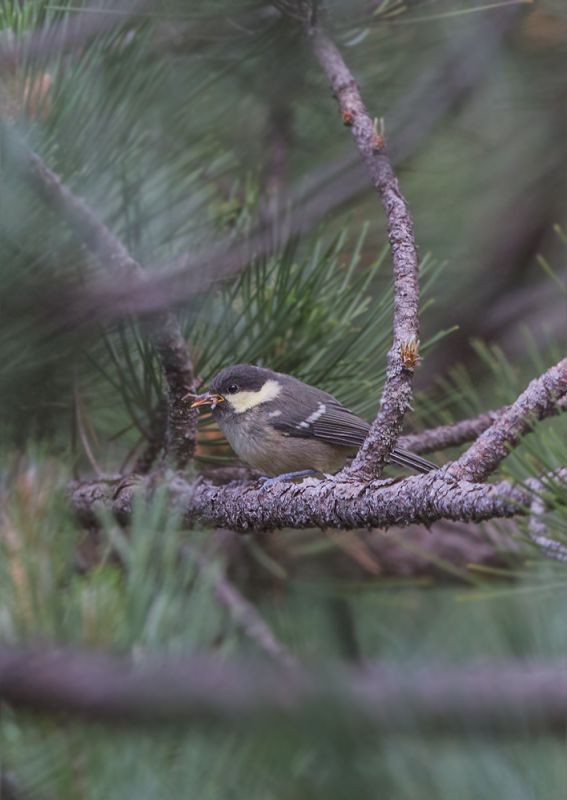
pixel 258 444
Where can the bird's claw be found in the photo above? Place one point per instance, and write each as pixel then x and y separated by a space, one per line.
pixel 286 476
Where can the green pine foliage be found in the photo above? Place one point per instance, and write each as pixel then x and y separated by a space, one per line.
pixel 162 123
pixel 140 599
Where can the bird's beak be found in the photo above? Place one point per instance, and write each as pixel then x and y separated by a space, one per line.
pixel 207 399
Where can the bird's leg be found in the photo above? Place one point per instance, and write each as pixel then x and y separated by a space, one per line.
pixel 287 476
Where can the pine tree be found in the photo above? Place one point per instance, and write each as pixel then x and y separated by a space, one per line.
pixel 179 192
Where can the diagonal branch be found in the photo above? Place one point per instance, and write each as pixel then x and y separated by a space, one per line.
pixel 537 401
pixel 165 332
pixel 243 613
pixel 403 356
pixel 457 433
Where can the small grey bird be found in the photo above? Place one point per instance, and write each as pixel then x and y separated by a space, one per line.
pixel 281 426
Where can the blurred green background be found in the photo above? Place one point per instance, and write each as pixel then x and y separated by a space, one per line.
pixel 187 124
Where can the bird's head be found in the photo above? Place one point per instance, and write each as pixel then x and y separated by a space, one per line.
pixel 238 389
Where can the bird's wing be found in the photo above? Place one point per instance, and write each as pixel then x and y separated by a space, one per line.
pixel 326 420
pixel 329 421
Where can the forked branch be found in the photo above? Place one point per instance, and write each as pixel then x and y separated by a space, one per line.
pixel 445 493
pixel 537 401
pixel 442 437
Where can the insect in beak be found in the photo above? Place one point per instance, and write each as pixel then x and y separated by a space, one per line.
pixel 206 399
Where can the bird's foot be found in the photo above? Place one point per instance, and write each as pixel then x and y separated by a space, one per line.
pixel 286 476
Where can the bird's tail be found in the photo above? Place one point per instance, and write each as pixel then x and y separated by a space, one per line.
pixel 403 458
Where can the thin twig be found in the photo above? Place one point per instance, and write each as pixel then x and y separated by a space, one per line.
pixel 279 137
pixel 457 433
pixel 446 493
pixel 83 433
pixel 537 528
pixel 444 436
pixel 537 401
pixel 404 354
pixel 243 613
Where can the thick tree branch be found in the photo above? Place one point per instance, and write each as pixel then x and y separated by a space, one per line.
pixel 537 401
pixel 311 504
pixel 447 493
pixel 403 356
pixel 490 699
pixel 165 332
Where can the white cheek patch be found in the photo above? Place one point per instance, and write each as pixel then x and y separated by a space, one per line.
pixel 244 401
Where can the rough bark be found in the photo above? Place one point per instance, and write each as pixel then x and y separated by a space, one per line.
pixel 404 352
pixel 537 527
pixel 312 503
pixel 354 502
pixel 538 400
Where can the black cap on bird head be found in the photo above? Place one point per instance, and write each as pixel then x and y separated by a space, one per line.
pixel 231 381
pixel 239 378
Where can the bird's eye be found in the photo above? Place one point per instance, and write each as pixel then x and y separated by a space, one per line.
pixel 233 388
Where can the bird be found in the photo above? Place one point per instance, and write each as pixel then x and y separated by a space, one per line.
pixel 283 427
